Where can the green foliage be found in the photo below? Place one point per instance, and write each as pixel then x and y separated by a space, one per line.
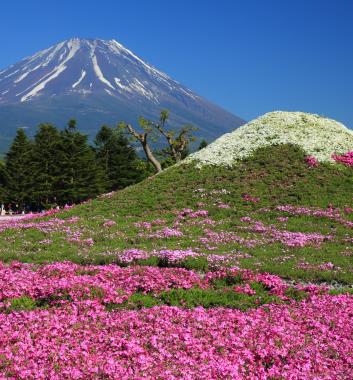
pixel 22 303
pixel 3 182
pixel 230 280
pixel 196 263
pixel 80 177
pixel 117 159
pixel 276 174
pixel 344 290
pixel 215 298
pixel 60 167
pixel 18 170
pixel 136 301
pixel 296 294
pixel 45 164
pixel 203 144
pixel 177 147
pixel 207 298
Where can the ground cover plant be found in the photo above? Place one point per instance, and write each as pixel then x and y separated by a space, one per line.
pixel 272 212
pixel 69 321
pixel 212 272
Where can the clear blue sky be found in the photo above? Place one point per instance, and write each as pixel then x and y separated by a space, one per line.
pixel 249 57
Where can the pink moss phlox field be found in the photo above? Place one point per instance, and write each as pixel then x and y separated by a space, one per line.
pixel 170 255
pixel 224 237
pixel 333 213
pixel 28 221
pixel 177 256
pixel 322 267
pixel 345 159
pixel 68 282
pixel 288 238
pixel 273 283
pixel 109 283
pixel 165 232
pixel 308 340
pixel 269 233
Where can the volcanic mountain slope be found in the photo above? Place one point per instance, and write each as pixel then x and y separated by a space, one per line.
pixel 96 82
pixel 269 211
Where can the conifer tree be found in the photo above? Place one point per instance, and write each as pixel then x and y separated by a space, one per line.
pixel 18 169
pixel 46 170
pixel 117 159
pixel 80 176
pixel 3 189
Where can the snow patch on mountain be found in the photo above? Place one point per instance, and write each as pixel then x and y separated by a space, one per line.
pixel 83 74
pixel 117 47
pixel 54 51
pixel 99 73
pixel 11 74
pixel 318 136
pixel 23 76
pixel 140 88
pixel 120 85
pixel 73 46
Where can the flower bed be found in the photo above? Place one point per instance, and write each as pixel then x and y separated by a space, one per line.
pixel 307 340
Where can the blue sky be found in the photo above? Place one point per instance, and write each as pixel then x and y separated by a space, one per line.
pixel 249 57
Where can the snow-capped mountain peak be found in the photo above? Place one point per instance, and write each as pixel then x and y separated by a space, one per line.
pixel 92 65
pixel 99 81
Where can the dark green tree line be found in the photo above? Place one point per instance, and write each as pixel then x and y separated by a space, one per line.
pixel 60 167
pixel 17 171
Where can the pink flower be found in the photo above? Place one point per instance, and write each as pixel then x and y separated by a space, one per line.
pixel 246 289
pixel 249 198
pixel 311 161
pixel 282 218
pixel 345 159
pixel 109 223
pixel 88 242
pixel 223 205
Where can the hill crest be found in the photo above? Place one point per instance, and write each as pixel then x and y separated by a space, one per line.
pixel 316 135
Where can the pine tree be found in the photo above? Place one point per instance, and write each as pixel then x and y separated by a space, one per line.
pixel 46 158
pixel 117 159
pixel 80 176
pixel 3 189
pixel 18 169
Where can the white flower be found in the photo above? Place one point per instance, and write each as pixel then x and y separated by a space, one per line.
pixel 317 135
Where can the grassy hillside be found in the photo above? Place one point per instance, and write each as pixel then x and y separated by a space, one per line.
pixel 208 216
pixel 181 301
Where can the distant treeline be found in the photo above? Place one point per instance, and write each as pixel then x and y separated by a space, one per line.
pixel 60 167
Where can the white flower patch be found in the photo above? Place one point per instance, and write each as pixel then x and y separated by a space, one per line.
pixel 317 135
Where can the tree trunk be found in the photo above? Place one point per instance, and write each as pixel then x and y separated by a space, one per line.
pixel 146 148
pixel 151 158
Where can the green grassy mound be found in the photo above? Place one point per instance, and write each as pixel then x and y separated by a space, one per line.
pixel 99 230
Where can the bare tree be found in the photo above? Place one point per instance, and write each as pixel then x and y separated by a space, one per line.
pixel 177 141
pixel 143 139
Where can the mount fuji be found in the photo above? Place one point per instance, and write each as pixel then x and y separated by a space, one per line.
pixel 98 82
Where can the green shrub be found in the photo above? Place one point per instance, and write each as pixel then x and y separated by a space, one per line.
pixel 22 303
